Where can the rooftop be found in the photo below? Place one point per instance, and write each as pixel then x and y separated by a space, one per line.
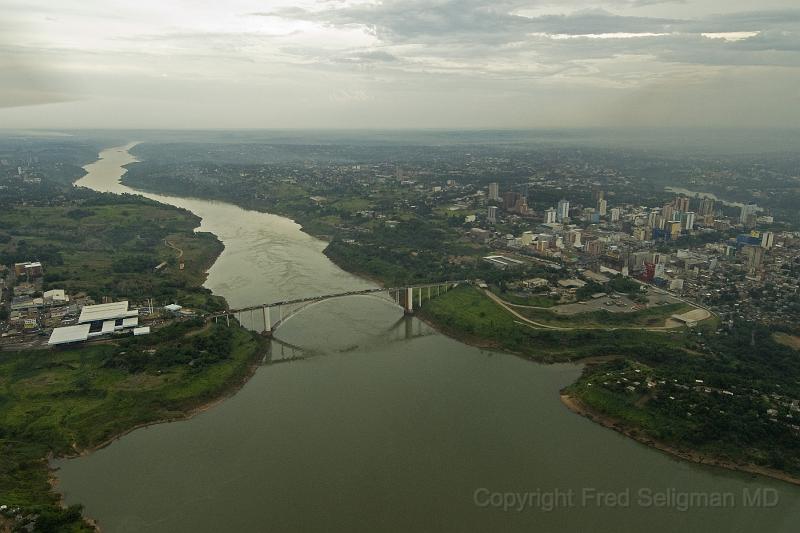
pixel 112 311
pixel 69 334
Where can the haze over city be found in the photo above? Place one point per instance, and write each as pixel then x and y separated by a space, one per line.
pixel 399 64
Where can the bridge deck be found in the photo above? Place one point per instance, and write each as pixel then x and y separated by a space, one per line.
pixel 334 295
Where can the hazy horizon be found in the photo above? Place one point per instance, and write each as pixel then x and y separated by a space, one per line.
pixel 402 64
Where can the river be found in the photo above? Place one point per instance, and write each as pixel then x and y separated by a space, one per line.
pixel 392 427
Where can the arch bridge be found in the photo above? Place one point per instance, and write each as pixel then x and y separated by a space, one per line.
pixel 269 316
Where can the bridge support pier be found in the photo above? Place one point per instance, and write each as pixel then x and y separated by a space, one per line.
pixel 267 322
pixel 409 307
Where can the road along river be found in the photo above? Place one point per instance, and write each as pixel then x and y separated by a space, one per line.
pixel 392 427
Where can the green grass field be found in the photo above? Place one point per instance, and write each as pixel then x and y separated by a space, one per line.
pixel 653 317
pixel 466 313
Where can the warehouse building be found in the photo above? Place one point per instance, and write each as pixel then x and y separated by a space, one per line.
pixel 97 320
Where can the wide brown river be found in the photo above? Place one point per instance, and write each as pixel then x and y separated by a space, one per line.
pixel 390 427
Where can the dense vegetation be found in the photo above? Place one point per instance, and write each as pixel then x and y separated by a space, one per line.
pixel 107 245
pixel 735 400
pixel 59 402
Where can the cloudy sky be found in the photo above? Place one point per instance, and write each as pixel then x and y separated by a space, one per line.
pixel 399 63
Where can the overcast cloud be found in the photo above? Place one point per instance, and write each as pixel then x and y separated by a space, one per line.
pixel 401 63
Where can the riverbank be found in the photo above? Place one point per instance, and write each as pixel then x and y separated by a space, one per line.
pixel 71 401
pixel 578 407
pixel 472 321
pixel 188 412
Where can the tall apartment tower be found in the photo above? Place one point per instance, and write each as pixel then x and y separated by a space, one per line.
pixel 706 207
pixel 494 191
pixel 681 203
pixel 687 220
pixel 748 211
pixel 562 211
pixel 602 206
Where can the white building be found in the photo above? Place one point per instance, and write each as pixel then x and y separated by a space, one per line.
pixel 491 214
pixel 550 216
pixel 96 320
pixel 55 296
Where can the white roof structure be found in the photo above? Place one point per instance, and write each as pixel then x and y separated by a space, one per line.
pixel 69 334
pixel 173 308
pixel 130 322
pixel 56 295
pixel 108 326
pixel 141 331
pixel 112 311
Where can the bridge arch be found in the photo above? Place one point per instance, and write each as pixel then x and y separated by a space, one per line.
pixel 382 297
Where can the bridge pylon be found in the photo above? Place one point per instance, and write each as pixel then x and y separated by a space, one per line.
pixel 267 321
pixel 408 301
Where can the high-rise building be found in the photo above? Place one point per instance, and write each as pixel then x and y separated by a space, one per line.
pixel 653 217
pixel 767 240
pixel 510 200
pixel 594 247
pixel 706 207
pixel 562 211
pixel 615 214
pixel 550 216
pixel 574 238
pixel 521 206
pixel 494 191
pixel 491 214
pixel 755 256
pixel 674 228
pixel 668 212
pixel 687 220
pixel 681 203
pixel 640 234
pixel 602 206
pixel 747 213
